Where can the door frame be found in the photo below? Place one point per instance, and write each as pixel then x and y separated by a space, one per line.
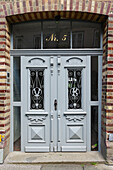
pixel 65 52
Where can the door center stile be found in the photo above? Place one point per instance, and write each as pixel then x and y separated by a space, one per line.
pixel 54 102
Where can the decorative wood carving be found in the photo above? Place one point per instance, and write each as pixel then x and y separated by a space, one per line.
pixel 75 118
pixel 36 119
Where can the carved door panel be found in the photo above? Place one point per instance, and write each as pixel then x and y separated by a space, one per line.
pixel 36 104
pixel 72 104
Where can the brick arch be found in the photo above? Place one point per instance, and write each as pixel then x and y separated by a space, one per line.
pixel 26 10
pixel 51 15
pixel 26 6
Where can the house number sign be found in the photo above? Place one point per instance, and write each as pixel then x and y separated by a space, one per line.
pixel 54 38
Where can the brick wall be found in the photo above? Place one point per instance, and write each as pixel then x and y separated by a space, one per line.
pixel 26 10
pixel 4 86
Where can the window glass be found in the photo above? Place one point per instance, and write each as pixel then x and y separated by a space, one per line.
pixel 56 34
pixel 78 39
pixel 96 38
pixel 85 35
pixel 17 128
pixel 94 78
pixel 27 36
pixel 94 128
pixel 16 79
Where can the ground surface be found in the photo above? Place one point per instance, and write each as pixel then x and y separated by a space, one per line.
pixel 55 167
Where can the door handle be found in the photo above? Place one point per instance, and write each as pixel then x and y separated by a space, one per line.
pixel 55 104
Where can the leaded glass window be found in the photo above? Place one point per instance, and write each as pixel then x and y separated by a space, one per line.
pixel 74 88
pixel 37 89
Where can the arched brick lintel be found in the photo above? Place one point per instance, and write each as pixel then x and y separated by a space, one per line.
pixel 51 15
pixel 27 6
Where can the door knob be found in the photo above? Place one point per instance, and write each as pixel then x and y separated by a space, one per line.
pixel 55 104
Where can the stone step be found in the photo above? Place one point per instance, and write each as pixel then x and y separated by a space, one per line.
pixel 54 158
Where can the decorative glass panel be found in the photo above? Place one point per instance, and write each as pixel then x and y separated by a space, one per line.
pixel 16 79
pixel 74 88
pixel 37 89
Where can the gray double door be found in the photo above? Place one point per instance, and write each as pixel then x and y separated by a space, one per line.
pixel 54 103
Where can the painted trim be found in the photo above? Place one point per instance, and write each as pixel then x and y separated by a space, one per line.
pixel 100 100
pixel 56 52
pixel 1 156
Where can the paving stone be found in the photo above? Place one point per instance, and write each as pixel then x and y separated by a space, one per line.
pixel 19 167
pixel 91 167
pixel 54 167
pixel 105 167
pixel 98 167
pixel 62 167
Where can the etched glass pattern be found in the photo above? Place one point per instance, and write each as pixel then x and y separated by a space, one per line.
pixel 37 89
pixel 74 89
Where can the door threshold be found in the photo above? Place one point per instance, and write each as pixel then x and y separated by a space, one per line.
pixel 54 158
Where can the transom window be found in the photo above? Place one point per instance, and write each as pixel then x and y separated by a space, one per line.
pixel 51 34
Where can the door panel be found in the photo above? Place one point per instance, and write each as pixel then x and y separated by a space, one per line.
pixel 72 95
pixel 54 103
pixel 36 108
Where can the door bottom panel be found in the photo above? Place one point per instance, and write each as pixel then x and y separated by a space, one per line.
pixel 36 149
pixel 71 149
